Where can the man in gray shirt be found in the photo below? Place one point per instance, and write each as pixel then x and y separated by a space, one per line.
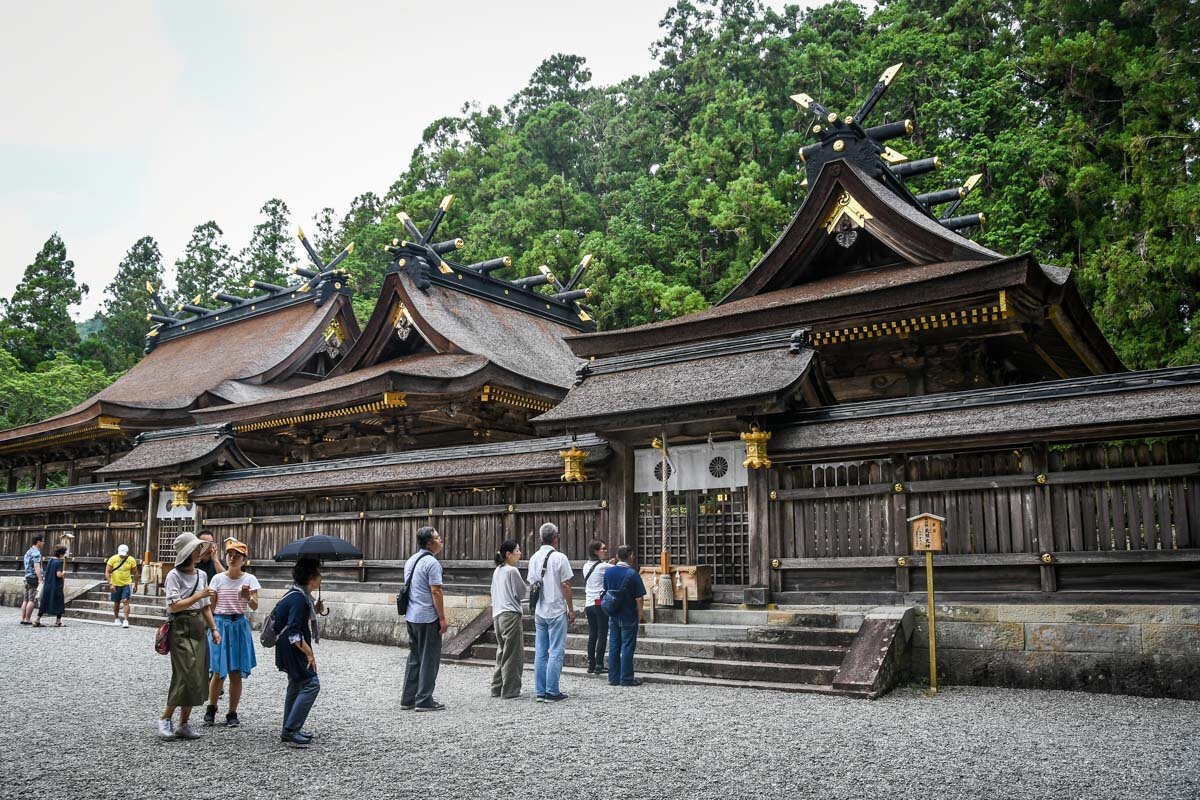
pixel 426 621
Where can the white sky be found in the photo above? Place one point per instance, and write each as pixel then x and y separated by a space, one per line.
pixel 131 118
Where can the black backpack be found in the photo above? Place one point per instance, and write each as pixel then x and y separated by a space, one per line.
pixel 402 595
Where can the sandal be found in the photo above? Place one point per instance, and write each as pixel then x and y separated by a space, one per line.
pixel 59 625
pixel 38 625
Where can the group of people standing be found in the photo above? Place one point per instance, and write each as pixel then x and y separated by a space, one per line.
pixel 45 585
pixel 548 584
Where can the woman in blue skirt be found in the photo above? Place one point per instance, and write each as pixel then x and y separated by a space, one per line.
pixel 237 593
pixel 53 589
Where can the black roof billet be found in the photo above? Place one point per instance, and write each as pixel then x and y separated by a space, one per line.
pixel 795 341
pixel 214 429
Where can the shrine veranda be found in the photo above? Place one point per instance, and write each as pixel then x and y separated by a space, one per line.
pixel 875 364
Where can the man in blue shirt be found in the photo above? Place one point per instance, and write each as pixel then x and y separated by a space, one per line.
pixel 33 577
pixel 426 621
pixel 623 580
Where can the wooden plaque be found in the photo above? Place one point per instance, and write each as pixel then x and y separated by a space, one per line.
pixel 926 532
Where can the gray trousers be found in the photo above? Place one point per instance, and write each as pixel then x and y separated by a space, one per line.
pixel 424 658
pixel 510 654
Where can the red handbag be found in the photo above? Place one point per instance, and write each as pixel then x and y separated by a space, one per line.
pixel 162 639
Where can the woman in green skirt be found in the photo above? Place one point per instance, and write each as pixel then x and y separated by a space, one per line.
pixel 188 598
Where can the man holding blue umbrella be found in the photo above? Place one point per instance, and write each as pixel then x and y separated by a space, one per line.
pixel 426 621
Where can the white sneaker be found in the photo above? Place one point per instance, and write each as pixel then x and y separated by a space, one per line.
pixel 185 731
pixel 165 731
pixel 116 621
pixel 125 623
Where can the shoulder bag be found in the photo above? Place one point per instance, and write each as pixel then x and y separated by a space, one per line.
pixel 535 587
pixel 406 587
pixel 268 636
pixel 611 603
pixel 162 639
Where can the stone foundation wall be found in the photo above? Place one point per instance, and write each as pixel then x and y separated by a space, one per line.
pixel 1147 650
pixel 366 616
pixel 12 588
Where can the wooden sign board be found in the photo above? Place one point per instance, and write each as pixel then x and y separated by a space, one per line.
pixel 926 532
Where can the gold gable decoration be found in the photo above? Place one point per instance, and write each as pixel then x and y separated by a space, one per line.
pixel 573 464
pixel 849 208
pixel 756 448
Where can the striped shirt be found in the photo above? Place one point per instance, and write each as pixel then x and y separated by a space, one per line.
pixel 229 597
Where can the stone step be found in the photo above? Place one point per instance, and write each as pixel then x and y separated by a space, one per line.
pixel 733 651
pixel 657 667
pixel 143 599
pixel 107 606
pixel 105 617
pixel 725 669
pixel 800 636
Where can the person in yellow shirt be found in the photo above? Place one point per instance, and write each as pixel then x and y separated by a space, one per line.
pixel 121 574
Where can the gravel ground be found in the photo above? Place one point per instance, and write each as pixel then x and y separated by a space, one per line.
pixel 77 720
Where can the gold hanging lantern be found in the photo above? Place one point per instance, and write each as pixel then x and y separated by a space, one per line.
pixel 181 491
pixel 573 464
pixel 756 448
pixel 116 499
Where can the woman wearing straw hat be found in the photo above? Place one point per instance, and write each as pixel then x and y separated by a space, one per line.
pixel 188 599
pixel 233 653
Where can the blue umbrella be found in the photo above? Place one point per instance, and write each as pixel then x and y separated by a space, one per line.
pixel 319 547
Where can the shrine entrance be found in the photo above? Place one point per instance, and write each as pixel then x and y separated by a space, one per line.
pixel 708 521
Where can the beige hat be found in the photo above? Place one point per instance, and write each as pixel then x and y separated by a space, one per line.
pixel 185 545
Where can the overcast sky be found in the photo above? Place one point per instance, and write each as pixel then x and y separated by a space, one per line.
pixel 124 118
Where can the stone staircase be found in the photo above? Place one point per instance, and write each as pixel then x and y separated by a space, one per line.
pixel 800 651
pixel 145 610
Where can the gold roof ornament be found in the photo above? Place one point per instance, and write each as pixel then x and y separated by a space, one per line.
pixel 573 470
pixel 181 491
pixel 756 448
pixel 116 499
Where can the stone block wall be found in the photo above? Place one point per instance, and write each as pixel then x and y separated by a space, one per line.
pixel 370 616
pixel 1150 650
pixel 12 588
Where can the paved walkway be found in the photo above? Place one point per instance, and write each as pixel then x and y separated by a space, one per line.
pixel 78 710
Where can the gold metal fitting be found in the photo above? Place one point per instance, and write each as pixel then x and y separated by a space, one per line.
pixel 756 448
pixel 839 146
pixel 817 129
pixel 899 487
pixel 774 495
pixel 908 127
pixel 604 504
pixel 776 563
pixel 849 120
pixel 832 118
pixel 1047 558
pixel 1041 479
pixel 902 561
pixel 573 464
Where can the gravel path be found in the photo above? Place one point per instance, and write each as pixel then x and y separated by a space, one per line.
pixel 82 702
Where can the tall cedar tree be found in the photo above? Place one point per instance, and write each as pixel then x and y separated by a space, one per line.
pixel 126 304
pixel 272 249
pixel 207 266
pixel 36 326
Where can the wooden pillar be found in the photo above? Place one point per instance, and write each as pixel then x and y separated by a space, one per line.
pixel 10 480
pixel 775 532
pixel 72 473
pixel 758 499
pixel 512 496
pixel 1043 519
pixel 39 476
pixel 900 540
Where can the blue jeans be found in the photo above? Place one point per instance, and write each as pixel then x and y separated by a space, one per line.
pixel 622 641
pixel 548 655
pixel 300 697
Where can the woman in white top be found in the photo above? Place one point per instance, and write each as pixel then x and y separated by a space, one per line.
pixel 188 596
pixel 597 620
pixel 508 590
pixel 237 594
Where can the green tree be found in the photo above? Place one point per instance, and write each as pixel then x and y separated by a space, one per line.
pixel 127 302
pixel 272 249
pixel 206 265
pixel 55 386
pixel 36 324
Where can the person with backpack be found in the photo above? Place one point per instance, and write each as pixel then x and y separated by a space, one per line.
pixel 188 599
pixel 425 618
pixel 508 590
pixel 553 610
pixel 237 594
pixel 597 620
pixel 623 599
pixel 121 573
pixel 294 627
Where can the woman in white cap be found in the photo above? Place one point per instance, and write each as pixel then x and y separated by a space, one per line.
pixel 188 599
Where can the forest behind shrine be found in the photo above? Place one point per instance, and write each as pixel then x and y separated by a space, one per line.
pixel 1084 118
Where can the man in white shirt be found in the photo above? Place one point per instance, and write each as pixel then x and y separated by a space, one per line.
pixel 555 610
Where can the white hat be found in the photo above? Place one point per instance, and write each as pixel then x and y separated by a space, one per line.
pixel 123 550
pixel 185 545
